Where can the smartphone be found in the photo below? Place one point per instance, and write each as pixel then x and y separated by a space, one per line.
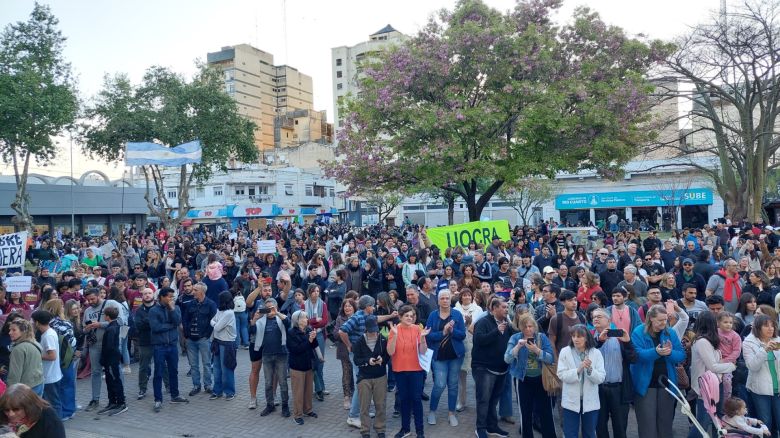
pixel 263 310
pixel 614 333
pixel 529 340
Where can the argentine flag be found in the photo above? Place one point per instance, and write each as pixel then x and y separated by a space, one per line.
pixel 139 154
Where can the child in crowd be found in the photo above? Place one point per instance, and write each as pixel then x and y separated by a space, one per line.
pixel 110 357
pixel 730 347
pixel 735 410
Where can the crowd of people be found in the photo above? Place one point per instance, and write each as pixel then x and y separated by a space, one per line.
pixel 546 327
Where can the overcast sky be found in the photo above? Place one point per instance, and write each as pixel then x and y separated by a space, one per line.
pixel 106 37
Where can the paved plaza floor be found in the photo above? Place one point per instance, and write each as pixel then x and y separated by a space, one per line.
pixel 220 418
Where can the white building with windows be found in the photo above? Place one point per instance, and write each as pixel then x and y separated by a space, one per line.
pixel 252 191
pixel 346 64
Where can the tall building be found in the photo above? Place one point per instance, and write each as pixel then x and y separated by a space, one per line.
pixel 346 64
pixel 270 95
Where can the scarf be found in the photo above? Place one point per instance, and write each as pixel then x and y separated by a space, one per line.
pixel 731 286
pixel 313 309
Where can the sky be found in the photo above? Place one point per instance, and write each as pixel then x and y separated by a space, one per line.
pixel 113 36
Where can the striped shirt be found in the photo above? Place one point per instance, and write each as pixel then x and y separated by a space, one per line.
pixel 355 326
pixel 613 360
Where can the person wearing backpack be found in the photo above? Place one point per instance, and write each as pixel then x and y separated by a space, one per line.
pixel 67 343
pixel 562 322
pixel 241 316
pixel 52 374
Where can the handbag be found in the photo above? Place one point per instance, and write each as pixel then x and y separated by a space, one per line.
pixel 683 382
pixel 550 380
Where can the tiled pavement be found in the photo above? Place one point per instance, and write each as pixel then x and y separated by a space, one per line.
pixel 220 418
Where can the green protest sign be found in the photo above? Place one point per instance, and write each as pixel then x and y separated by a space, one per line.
pixel 460 235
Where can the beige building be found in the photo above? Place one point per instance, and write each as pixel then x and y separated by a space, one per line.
pixel 264 92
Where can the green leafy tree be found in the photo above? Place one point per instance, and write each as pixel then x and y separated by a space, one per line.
pixel 37 99
pixel 167 109
pixel 383 203
pixel 480 94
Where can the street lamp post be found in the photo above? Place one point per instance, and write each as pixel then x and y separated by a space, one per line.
pixel 72 215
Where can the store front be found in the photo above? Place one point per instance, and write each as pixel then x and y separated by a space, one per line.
pixel 691 207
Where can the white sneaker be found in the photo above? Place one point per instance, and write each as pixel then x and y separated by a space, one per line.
pixel 453 420
pixel 253 403
pixel 126 370
pixel 354 422
pixel 432 418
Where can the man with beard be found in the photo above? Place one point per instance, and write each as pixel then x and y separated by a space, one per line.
pixel 610 276
pixel 146 352
pixel 687 275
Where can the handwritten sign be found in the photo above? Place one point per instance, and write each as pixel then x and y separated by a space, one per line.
pixel 12 250
pixel 18 284
pixel 266 246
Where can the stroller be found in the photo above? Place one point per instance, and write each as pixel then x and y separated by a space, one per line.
pixel 710 395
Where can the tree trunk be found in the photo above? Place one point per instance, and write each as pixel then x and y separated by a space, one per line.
pixel 476 205
pixel 21 204
pixel 451 210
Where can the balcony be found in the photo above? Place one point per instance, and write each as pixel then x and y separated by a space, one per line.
pixel 251 198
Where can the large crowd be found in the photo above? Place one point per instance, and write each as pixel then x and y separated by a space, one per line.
pixel 546 324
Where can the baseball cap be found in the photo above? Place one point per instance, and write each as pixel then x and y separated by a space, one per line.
pixel 769 228
pixel 548 269
pixel 687 260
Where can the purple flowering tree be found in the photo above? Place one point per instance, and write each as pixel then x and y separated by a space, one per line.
pixel 479 99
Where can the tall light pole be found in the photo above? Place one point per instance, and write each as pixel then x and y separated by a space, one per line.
pixel 72 215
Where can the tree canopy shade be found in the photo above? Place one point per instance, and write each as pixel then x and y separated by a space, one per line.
pixel 480 94
pixel 37 97
pixel 167 109
pixel 731 63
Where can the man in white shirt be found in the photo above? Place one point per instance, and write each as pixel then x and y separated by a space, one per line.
pixel 52 374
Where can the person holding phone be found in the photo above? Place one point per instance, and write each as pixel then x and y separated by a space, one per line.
pixel 526 352
pixel 615 393
pixel 658 352
pixel 581 370
pixel 762 358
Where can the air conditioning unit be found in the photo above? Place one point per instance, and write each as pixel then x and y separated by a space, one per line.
pixel 282 158
pixel 269 159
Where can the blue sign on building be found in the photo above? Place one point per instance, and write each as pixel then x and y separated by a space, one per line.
pixel 644 198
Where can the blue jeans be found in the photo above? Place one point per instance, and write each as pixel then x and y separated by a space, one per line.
pixel 125 352
pixel 242 328
pixel 505 402
pixel 767 409
pixel 445 373
pixel 410 388
pixel 572 421
pixel 51 393
pixel 197 352
pixel 68 390
pixel 38 389
pixel 169 355
pixel 354 407
pixel 224 378
pixel 318 365
pixel 704 420
pixel 488 388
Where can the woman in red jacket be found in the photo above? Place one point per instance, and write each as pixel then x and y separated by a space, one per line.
pixel 589 286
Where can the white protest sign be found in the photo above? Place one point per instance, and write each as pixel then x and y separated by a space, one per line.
pixel 18 284
pixel 12 250
pixel 232 236
pixel 266 246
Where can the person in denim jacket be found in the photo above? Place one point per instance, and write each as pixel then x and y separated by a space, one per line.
pixel 526 352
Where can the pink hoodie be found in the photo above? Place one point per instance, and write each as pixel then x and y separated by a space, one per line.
pixel 730 345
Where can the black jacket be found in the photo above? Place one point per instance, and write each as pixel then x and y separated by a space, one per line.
pixel 397 282
pixel 142 327
pixel 109 353
pixel 199 313
pixel 164 323
pixel 490 345
pixel 300 349
pixel 361 355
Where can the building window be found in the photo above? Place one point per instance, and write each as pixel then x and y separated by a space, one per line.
pixel 339 74
pixel 230 88
pixel 319 191
pixel 288 189
pixel 338 62
pixel 339 86
pixel 217 190
pixel 262 190
pixel 239 191
pixel 230 74
pixel 200 192
pixel 309 191
pixel 251 191
pixel 171 194
pixel 331 193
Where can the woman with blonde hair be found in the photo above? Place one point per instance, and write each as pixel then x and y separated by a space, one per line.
pixel 29 415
